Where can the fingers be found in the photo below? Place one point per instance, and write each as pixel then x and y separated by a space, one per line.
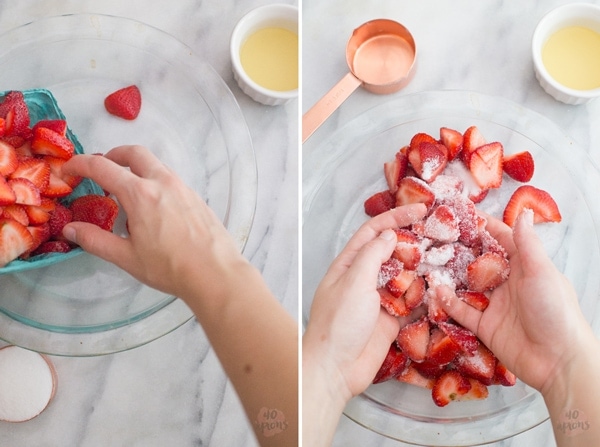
pixel 501 232
pixel 110 176
pixel 534 258
pixel 462 312
pixel 99 242
pixel 139 159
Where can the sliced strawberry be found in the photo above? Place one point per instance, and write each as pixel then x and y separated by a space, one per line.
pixel 487 272
pixel 415 294
pixel 52 247
pixel 7 195
pixel 519 166
pixel 14 240
pixel 435 310
pixel 447 186
pixel 26 192
pixel 57 187
pixel 412 376
pixel 539 201
pixel 429 369
pixel 428 160
pixel 453 140
pixel 407 249
pixel 401 282
pixel 472 140
pixel 413 339
pixel 56 165
pixel 466 214
pixel 442 349
pixel 37 215
pixel 36 170
pixel 15 212
pixel 395 171
pixel 57 125
pixel 478 391
pixel 481 365
pixel 414 190
pixel 475 299
pixel 394 363
pixel 388 270
pixel 16 114
pixel 448 387
pixel 463 337
pixel 48 142
pixel 40 234
pixel 442 225
pixel 59 217
pixel 485 164
pixel 124 103
pixel 419 138
pixel 502 376
pixel 463 256
pixel 8 159
pixel 379 202
pixel 23 148
pixel 394 305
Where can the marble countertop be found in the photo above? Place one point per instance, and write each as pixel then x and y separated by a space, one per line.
pixel 173 391
pixel 465 45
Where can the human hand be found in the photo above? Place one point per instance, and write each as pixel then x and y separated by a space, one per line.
pixel 533 322
pixel 348 334
pixel 173 234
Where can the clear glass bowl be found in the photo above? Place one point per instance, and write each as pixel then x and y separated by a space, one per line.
pixel 189 119
pixel 347 167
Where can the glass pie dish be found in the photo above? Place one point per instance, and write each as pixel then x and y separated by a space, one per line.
pixel 333 211
pixel 189 119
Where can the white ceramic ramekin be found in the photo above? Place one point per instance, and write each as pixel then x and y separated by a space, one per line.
pixel 276 15
pixel 572 14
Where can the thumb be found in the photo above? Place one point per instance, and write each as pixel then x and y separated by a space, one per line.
pixel 96 241
pixel 371 256
pixel 460 311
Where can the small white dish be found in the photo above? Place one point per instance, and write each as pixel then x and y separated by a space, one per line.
pixel 276 15
pixel 572 14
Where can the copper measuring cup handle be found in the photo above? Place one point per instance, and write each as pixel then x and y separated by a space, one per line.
pixel 325 106
pixel 381 57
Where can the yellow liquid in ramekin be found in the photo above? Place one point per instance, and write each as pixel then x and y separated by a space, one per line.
pixel 270 58
pixel 572 57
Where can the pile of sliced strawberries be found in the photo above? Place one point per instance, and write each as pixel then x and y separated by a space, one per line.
pixel 451 247
pixel 32 182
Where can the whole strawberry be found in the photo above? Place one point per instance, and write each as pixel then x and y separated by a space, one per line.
pixel 124 103
pixel 96 209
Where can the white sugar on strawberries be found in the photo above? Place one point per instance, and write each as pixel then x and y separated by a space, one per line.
pixel 450 246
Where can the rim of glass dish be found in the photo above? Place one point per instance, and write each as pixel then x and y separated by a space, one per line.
pixel 172 312
pixel 363 409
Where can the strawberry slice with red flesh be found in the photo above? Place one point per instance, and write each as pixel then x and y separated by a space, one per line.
pixel 442 349
pixel 99 210
pixel 407 249
pixel 429 369
pixel 415 294
pixel 485 164
pixel 395 170
pixel 519 166
pixel 124 103
pixel 413 339
pixel 379 202
pixel 40 234
pixel 56 188
pixel 428 160
pixel 15 212
pixel 57 125
pixel 414 190
pixel 487 272
pixel 448 387
pixel 8 159
pixel 463 337
pixel 478 391
pixel 394 363
pixel 401 282
pixel 52 247
pixel 394 305
pixel 26 192
pixel 48 142
pixel 442 225
pixel 420 138
pixel 56 165
pixel 15 240
pixel 7 195
pixel 481 365
pixel 502 376
pixel 539 201
pixel 435 311
pixel 36 170
pixel 472 140
pixel 477 300
pixel 453 140
pixel 412 376
pixel 59 217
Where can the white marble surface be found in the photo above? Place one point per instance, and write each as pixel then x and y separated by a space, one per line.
pixel 462 45
pixel 173 391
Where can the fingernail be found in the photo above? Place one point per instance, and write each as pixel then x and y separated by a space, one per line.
pixel 528 216
pixel 388 235
pixel 69 233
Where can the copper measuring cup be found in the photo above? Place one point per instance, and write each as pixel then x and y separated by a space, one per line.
pixel 381 56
